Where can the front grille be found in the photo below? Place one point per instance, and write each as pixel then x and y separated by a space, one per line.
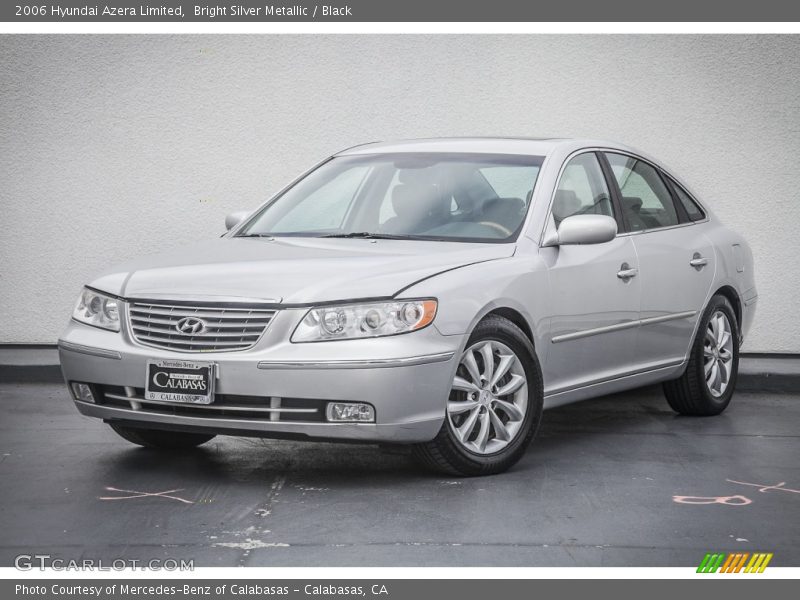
pixel 225 328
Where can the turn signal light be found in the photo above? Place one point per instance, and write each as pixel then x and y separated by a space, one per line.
pixel 82 392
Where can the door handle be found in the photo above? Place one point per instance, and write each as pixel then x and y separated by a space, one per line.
pixel 698 261
pixel 625 272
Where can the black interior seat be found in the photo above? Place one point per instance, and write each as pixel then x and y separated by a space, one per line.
pixel 632 206
pixel 418 207
pixel 506 212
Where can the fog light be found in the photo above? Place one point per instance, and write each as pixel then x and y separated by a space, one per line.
pixel 350 412
pixel 82 392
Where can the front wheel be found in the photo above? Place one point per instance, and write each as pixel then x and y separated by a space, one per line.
pixel 494 407
pixel 159 439
pixel 707 385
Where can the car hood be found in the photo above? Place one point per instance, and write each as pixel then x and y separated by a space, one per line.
pixel 292 270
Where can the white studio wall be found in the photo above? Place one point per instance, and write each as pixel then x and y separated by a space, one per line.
pixel 116 146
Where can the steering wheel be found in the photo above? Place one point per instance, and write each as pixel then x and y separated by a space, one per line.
pixel 497 227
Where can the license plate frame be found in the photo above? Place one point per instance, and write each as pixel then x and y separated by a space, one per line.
pixel 180 381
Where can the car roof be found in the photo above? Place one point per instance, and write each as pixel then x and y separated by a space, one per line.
pixel 488 145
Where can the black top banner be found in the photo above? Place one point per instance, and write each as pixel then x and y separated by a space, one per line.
pixel 124 11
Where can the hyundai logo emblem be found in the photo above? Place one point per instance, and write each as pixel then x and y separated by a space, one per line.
pixel 191 326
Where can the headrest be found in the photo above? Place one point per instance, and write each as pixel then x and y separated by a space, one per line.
pixel 415 199
pixel 509 205
pixel 632 203
pixel 565 203
pixel 416 176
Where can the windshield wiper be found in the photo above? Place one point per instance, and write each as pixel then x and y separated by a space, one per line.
pixel 368 236
pixel 254 235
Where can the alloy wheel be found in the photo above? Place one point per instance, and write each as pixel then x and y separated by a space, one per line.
pixel 718 354
pixel 489 398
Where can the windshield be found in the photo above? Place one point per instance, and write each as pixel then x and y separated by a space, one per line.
pixel 436 196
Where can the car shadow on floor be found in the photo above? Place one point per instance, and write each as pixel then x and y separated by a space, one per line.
pixel 254 460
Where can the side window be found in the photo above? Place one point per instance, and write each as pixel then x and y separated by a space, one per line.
pixel 691 207
pixel 582 190
pixel 646 201
pixel 326 207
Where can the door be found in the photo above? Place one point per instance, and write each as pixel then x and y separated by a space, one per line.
pixel 676 262
pixel 594 288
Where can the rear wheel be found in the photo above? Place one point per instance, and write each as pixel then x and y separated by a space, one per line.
pixel 494 407
pixel 707 385
pixel 159 439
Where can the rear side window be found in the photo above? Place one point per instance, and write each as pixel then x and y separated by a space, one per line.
pixel 646 201
pixel 693 210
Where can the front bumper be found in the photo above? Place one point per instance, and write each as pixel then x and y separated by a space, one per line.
pixel 406 378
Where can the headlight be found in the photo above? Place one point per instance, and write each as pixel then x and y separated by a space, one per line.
pixel 353 321
pixel 94 308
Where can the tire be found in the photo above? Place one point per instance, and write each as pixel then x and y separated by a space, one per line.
pixel 159 439
pixel 697 392
pixel 513 410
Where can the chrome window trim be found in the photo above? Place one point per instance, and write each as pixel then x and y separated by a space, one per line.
pixel 676 182
pixel 655 229
pixel 548 220
pixel 662 171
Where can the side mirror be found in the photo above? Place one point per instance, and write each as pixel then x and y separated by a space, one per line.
pixel 233 219
pixel 587 229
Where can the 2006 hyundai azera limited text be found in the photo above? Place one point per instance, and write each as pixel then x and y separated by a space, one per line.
pixel 438 293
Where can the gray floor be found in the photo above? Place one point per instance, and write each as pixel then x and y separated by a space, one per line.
pixel 597 487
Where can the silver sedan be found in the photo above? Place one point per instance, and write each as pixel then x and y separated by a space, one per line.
pixel 439 293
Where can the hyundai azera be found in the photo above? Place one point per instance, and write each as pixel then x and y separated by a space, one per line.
pixel 435 293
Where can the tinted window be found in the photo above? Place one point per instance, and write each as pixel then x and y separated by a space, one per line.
pixel 646 201
pixel 325 207
pixel 436 196
pixel 691 207
pixel 582 190
pixel 509 182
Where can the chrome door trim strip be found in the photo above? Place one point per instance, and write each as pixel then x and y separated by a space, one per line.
pixel 670 317
pixel 596 331
pixel 620 326
pixel 90 350
pixel 376 363
pixel 606 150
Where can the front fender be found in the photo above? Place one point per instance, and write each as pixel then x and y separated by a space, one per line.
pixel 466 295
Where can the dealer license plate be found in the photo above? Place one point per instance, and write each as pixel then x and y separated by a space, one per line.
pixel 180 381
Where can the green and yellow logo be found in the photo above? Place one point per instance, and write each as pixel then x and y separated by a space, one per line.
pixel 734 562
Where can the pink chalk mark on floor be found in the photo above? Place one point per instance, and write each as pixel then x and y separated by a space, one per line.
pixel 728 500
pixel 138 494
pixel 765 488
